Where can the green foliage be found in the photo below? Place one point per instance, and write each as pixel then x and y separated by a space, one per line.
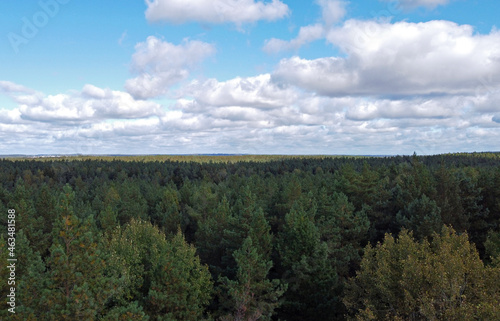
pixel 76 287
pixel 252 295
pixel 167 213
pixel 32 279
pixel 210 236
pixel 98 237
pixel 130 312
pixel 132 204
pixel 312 279
pixel 164 276
pixel 345 231
pixel 135 252
pixel 45 208
pixel 408 280
pixel 4 274
pixel 422 216
pixel 181 287
pixel 492 246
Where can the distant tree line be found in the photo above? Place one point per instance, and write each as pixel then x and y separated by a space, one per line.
pixel 317 238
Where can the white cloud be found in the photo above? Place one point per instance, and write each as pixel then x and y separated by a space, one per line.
pixel 11 88
pixel 122 38
pixel 403 87
pixel 332 11
pixel 311 124
pixel 256 91
pixel 412 108
pixel 215 11
pixel 92 103
pixel 160 64
pixel 10 116
pixel 486 102
pixel 412 4
pixel 306 35
pixel 436 57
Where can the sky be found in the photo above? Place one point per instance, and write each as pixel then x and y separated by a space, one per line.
pixel 366 77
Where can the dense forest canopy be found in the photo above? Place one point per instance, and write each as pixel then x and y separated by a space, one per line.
pixel 253 237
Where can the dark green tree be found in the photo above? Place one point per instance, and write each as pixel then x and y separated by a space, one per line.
pixel 345 231
pixel 422 216
pixel 311 277
pixel 76 287
pixel 167 215
pixel 181 286
pixel 210 237
pixel 252 296
pixel 31 278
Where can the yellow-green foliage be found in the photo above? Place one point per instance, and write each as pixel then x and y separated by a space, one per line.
pixel 443 279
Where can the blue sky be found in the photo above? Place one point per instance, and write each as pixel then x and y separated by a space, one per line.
pixel 249 76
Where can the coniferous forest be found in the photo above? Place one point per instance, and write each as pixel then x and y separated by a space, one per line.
pixel 252 238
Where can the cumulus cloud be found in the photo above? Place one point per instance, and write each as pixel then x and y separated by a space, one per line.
pixel 436 57
pixel 214 11
pixel 429 87
pixel 160 64
pixel 248 115
pixel 258 92
pixel 91 103
pixel 368 109
pixel 332 12
pixel 10 116
pixel 306 35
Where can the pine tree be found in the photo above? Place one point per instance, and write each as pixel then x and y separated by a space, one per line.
pixel 245 214
pixel 108 219
pixel 252 295
pixel 31 280
pixel 181 286
pixel 403 279
pixel 210 236
pixel 45 207
pixel 164 277
pixel 76 286
pixel 132 204
pixel 312 279
pixel 345 231
pixel 167 215
pixel 4 274
pixel 422 216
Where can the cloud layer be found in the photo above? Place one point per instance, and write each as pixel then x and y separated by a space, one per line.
pixel 386 87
